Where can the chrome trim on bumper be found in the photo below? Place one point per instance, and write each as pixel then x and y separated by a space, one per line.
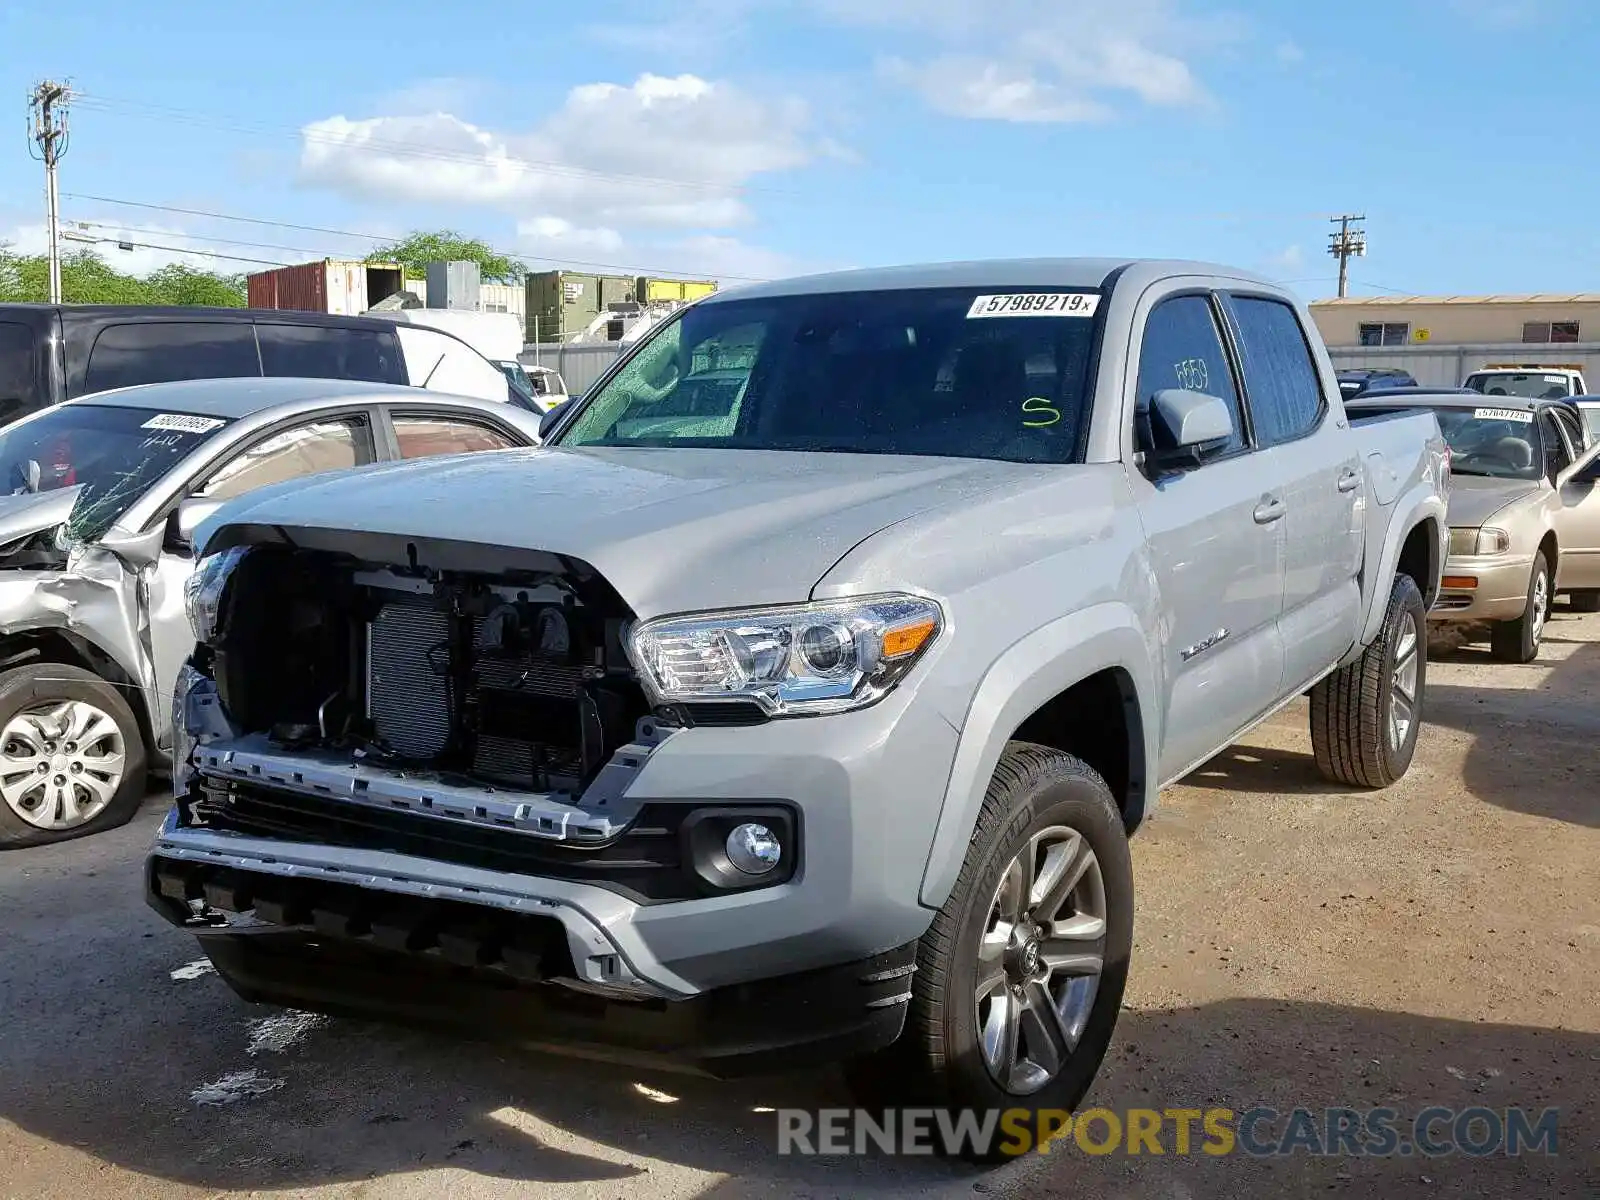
pixel 586 913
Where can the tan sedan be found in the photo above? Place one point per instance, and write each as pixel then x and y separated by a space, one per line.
pixel 1524 512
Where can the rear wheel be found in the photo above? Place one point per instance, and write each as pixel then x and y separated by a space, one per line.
pixel 1518 641
pixel 72 759
pixel 1020 978
pixel 1365 717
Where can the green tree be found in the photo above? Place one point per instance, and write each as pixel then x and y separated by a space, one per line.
pixel 86 278
pixel 416 250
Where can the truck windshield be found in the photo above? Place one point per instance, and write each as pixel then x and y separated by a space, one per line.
pixel 113 454
pixel 1534 385
pixel 992 373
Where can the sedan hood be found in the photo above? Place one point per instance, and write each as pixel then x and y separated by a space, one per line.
pixel 1475 498
pixel 33 512
pixel 672 529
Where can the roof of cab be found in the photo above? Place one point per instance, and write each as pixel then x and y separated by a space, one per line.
pixel 250 394
pixel 1019 272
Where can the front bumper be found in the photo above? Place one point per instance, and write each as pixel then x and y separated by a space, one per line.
pixel 867 787
pixel 1499 592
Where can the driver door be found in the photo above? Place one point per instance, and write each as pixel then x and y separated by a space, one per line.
pixel 1577 526
pixel 307 447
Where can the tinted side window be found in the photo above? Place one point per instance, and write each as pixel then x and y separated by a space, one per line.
pixel 18 362
pixel 420 436
pixel 1280 378
pixel 163 351
pixel 1182 348
pixel 1556 456
pixel 320 352
pixel 302 450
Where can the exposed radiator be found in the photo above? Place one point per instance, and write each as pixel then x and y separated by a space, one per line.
pixel 408 696
pixel 407 692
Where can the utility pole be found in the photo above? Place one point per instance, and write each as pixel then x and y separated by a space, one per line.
pixel 47 128
pixel 1346 244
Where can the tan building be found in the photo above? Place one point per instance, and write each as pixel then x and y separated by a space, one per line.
pixel 1537 320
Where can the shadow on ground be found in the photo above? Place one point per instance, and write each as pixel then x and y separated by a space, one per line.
pixel 87 1060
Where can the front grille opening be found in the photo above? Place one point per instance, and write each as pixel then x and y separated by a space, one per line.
pixel 644 863
pixel 526 947
pixel 516 679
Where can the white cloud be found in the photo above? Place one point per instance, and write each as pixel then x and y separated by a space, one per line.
pixel 1290 258
pixel 556 235
pixel 1040 60
pixel 693 31
pixel 663 151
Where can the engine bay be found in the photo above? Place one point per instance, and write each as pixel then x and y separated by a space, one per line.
pixel 516 679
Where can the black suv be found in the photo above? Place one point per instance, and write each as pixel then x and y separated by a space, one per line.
pixel 55 352
pixel 1360 380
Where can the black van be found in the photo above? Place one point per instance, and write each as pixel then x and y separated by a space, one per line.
pixel 55 352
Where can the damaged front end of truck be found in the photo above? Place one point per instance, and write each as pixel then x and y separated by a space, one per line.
pixel 424 748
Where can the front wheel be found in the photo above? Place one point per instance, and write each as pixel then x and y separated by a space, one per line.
pixel 1020 977
pixel 1518 641
pixel 72 758
pixel 1365 717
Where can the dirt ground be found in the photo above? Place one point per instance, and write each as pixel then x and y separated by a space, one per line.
pixel 1297 945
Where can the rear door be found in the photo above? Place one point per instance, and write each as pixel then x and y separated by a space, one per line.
pixel 1216 539
pixel 1306 452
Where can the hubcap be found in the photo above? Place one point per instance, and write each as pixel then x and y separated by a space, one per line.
pixel 1040 959
pixel 1541 605
pixel 1403 686
pixel 61 763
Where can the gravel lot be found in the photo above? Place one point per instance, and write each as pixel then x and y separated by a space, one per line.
pixel 1297 945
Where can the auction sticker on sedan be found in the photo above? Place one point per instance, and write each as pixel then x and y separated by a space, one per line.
pixel 1035 304
pixel 1503 414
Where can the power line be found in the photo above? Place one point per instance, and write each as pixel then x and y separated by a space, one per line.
pixel 123 243
pixel 389 238
pixel 198 237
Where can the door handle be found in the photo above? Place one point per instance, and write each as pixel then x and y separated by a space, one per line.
pixel 1349 481
pixel 1268 511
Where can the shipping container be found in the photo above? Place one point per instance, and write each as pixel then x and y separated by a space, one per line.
pixel 339 286
pixel 650 289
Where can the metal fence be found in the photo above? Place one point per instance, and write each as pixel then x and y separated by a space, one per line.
pixel 579 365
pixel 1447 366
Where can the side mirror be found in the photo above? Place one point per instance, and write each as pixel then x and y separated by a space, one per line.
pixel 1184 421
pixel 187 517
pixel 548 421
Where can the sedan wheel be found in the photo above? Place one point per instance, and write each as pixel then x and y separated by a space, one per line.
pixel 61 764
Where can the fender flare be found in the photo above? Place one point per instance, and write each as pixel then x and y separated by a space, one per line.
pixel 1029 673
pixel 1419 504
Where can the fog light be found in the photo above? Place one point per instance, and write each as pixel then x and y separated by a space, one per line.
pixel 754 849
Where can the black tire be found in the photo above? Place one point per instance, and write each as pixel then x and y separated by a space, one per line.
pixel 42 683
pixel 1351 710
pixel 937 1061
pixel 1584 601
pixel 1518 641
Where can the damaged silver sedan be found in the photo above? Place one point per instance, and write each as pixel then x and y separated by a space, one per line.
pixel 99 499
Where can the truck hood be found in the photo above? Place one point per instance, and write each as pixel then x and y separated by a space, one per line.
pixel 673 530
pixel 34 512
pixel 1475 498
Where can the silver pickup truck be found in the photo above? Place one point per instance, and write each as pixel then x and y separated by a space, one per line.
pixel 804 716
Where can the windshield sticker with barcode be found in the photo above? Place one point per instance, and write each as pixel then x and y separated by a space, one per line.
pixel 1035 304
pixel 1504 414
pixel 183 423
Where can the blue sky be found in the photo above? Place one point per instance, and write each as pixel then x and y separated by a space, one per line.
pixel 754 138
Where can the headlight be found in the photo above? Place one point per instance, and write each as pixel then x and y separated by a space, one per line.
pixel 805 659
pixel 1487 540
pixel 202 594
